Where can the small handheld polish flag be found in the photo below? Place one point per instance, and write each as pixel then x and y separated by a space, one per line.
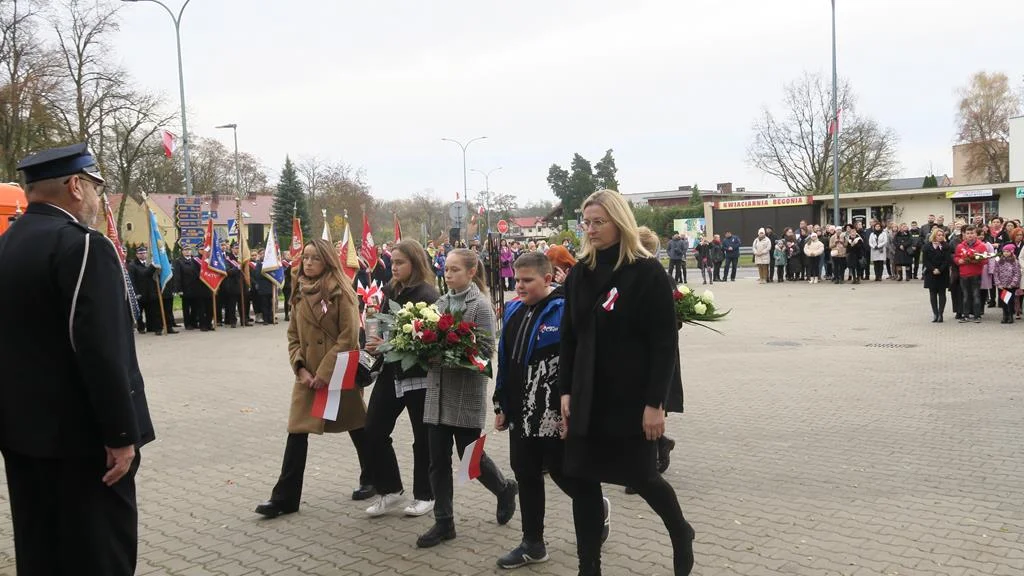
pixel 469 465
pixel 327 402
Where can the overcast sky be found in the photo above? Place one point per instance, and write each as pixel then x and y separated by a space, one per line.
pixel 672 85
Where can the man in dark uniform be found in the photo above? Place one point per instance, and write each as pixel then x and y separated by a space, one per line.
pixel 231 288
pixel 73 407
pixel 142 274
pixel 186 272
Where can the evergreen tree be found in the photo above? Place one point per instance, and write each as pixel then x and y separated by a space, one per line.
pixel 289 199
pixel 695 197
pixel 605 171
pixel 930 181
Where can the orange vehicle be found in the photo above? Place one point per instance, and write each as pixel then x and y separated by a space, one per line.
pixel 12 203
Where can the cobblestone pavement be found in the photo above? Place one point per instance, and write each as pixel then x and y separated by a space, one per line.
pixel 830 431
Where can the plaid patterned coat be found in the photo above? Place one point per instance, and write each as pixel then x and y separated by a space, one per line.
pixel 457 396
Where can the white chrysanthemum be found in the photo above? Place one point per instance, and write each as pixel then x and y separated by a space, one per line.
pixel 421 305
pixel 700 308
pixel 684 289
pixel 408 306
pixel 407 328
pixel 707 297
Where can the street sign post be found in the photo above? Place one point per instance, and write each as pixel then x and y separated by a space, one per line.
pixel 457 211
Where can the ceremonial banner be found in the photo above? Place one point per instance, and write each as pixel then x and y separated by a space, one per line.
pixel 212 267
pixel 273 270
pixel 157 248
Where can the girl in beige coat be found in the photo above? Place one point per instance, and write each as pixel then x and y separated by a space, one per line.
pixel 324 323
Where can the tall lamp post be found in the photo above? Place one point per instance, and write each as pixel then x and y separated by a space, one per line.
pixel 487 192
pixel 835 120
pixel 181 88
pixel 465 187
pixel 238 179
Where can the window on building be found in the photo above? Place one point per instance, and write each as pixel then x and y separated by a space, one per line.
pixel 881 213
pixel 968 210
pixel 128 227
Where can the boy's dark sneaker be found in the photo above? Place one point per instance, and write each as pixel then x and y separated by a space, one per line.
pixel 525 553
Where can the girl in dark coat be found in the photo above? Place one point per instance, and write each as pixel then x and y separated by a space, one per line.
pixel 935 260
pixel 396 390
pixel 618 359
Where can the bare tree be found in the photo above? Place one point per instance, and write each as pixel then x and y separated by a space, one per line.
pixel 133 136
pixel 213 169
pixel 983 121
pixel 94 88
pixel 252 175
pixel 312 172
pixel 26 123
pixel 797 148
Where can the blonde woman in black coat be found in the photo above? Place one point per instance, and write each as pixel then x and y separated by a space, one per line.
pixel 618 361
pixel 935 261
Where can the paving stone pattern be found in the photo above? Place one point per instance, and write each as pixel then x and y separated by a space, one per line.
pixel 803 451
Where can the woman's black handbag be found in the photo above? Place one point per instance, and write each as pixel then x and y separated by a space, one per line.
pixel 368 369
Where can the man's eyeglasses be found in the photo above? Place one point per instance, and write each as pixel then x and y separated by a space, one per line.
pixel 99 186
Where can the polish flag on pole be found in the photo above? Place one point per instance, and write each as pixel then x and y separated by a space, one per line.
pixel 327 401
pixel 398 229
pixel 833 126
pixel 369 249
pixel 170 142
pixel 469 465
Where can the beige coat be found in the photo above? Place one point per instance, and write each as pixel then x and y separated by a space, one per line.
pixel 314 340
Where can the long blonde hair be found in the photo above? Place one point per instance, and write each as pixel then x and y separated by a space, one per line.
pixel 332 271
pixel 630 249
pixel 469 259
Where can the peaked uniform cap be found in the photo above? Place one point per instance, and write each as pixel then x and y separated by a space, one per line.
pixel 57 162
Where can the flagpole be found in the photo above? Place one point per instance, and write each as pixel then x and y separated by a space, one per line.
pixel 213 317
pixel 241 265
pixel 160 298
pixel 835 119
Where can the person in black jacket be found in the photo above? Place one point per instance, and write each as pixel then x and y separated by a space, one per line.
pixel 412 281
pixel 231 289
pixel 143 276
pixel 936 260
pixel 186 273
pixel 73 410
pixel 263 291
pixel 617 363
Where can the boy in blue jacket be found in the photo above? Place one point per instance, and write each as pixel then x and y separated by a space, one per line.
pixel 527 405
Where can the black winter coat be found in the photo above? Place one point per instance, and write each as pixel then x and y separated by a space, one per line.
pixel 71 382
pixel 931 260
pixel 143 277
pixel 619 346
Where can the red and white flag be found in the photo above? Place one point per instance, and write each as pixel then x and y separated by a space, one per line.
pixel 609 303
pixel 398 229
pixel 170 142
pixel 469 465
pixel 327 402
pixel 369 249
pixel 1006 296
pixel 295 249
pixel 833 126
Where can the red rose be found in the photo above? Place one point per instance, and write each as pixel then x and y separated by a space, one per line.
pixel 470 352
pixel 445 323
pixel 429 336
pixel 453 338
pixel 464 328
pixel 677 295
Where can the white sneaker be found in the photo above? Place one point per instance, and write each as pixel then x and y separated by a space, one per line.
pixel 385 503
pixel 419 507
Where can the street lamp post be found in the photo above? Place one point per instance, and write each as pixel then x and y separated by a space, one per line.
pixel 181 88
pixel 835 120
pixel 465 186
pixel 487 193
pixel 238 179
